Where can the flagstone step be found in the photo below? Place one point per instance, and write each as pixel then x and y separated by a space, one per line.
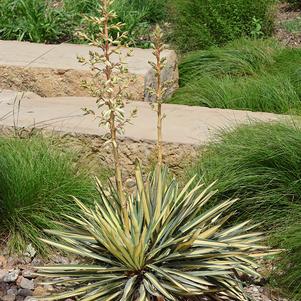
pixel 53 70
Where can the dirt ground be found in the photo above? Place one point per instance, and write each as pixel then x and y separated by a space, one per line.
pixel 47 82
pixel 285 12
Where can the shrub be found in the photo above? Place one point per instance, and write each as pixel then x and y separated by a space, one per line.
pixel 33 20
pixel 174 247
pixel 294 3
pixel 36 184
pixel 198 24
pixel 56 21
pixel 261 165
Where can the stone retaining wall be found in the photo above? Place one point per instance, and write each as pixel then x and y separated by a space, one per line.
pixel 48 82
pixel 93 152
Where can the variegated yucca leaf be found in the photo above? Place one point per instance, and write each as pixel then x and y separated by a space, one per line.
pixel 175 248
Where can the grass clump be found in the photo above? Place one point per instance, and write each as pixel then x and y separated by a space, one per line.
pixel 36 184
pixel 289 238
pixel 239 58
pixel 293 25
pixel 199 24
pixel 261 165
pixel 267 93
pixel 256 75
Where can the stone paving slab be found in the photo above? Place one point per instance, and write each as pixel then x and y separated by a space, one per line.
pixel 183 124
pixel 23 60
pixel 64 56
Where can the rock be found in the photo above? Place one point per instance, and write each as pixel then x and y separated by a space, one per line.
pixel 3 262
pixel 39 291
pixel 11 275
pixel 36 261
pixel 28 274
pixel 12 291
pixel 130 183
pixel 26 283
pixel 11 297
pixel 18 280
pixel 26 260
pixel 60 259
pixel 2 274
pixel 3 288
pixel 25 292
pixel 13 261
pixel 30 251
pixel 49 288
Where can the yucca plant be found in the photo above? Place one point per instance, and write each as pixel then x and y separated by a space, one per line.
pixel 174 249
pixel 159 243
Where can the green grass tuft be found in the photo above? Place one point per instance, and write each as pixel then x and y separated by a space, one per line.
pixel 256 75
pixel 293 25
pixel 33 20
pixel 267 93
pixel 239 58
pixel 37 182
pixel 261 165
pixel 289 238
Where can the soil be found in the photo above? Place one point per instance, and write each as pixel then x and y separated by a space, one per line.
pixel 286 12
pixel 47 82
pixel 19 283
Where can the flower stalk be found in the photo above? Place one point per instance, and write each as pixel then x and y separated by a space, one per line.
pixel 109 84
pixel 160 89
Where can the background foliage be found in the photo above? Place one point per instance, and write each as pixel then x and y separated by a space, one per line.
pixel 56 21
pixel 198 24
pixel 194 24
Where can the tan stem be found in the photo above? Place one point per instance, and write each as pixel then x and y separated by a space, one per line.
pixel 159 108
pixel 159 134
pixel 118 173
pixel 113 130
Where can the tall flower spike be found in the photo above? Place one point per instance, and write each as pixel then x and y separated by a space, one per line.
pixel 109 84
pixel 159 91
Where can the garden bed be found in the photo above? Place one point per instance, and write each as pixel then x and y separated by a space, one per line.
pixel 288 28
pixel 170 238
pixel 20 284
